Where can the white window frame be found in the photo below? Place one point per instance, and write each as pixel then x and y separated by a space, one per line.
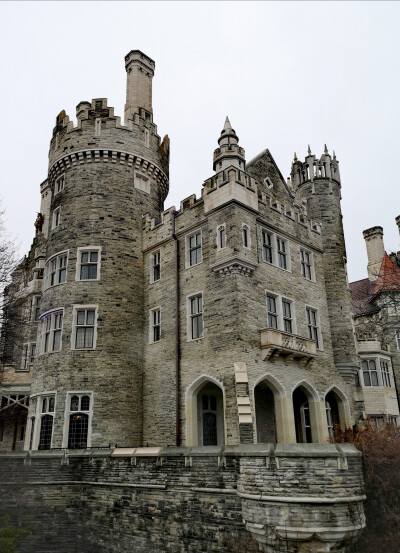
pixel 280 317
pixel 68 412
pixel 59 184
pixel 191 315
pixel 59 267
pixel 36 412
pixel 45 329
pixel 370 370
pixel 155 256
pixel 246 229
pixel 79 252
pixel 221 236
pixel 275 241
pixel 319 345
pixel 141 182
pixel 56 218
pixel 75 326
pixel 303 263
pixel 386 373
pixel 153 324
pixel 28 356
pixel 188 249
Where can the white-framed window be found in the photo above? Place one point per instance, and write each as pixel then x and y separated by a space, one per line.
pixel 313 325
pixel 385 373
pixel 41 421
pixel 155 325
pixel 50 331
pixel 34 308
pixel 84 327
pixel 306 262
pixel 56 217
pixel 221 237
pixel 275 249
pixel 280 313
pixel 78 420
pixel 370 373
pixel 246 235
pixel 194 249
pixel 195 316
pixel 155 266
pixel 88 263
pixel 28 355
pixel 56 269
pixel 59 184
pixel 142 182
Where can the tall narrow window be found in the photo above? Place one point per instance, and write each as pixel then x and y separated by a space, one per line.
pixel 385 372
pixel 46 406
pixel 155 266
pixel 85 322
pixel 56 217
pixel 287 316
pixel 195 316
pixel 282 255
pixel 398 339
pixel 155 325
pixel 56 269
pixel 312 323
pixel 306 264
pixel 78 428
pixel 51 329
pixel 221 237
pixel 34 309
pixel 370 373
pixel 272 314
pixel 194 248
pixel 267 246
pixel 246 236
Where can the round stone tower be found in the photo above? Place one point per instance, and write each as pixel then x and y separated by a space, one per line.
pixel 317 182
pixel 103 176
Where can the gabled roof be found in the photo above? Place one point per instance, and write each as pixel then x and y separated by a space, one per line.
pixel 388 277
pixel 363 291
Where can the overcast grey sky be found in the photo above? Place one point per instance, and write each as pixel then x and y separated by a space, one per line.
pixel 288 74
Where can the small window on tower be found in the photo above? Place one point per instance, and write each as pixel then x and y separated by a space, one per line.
pixel 88 263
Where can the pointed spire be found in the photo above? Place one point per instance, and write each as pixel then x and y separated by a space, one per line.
pixel 334 155
pixel 326 150
pixel 309 150
pixel 227 125
pixel 295 157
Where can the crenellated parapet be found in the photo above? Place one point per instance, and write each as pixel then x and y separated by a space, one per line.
pixel 326 167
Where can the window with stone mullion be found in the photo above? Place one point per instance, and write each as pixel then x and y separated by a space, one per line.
pixel 195 249
pixel 196 314
pixel 267 246
pixel 282 262
pixel 272 314
pixel 370 373
pixel 312 325
pixel 287 316
pixel 305 264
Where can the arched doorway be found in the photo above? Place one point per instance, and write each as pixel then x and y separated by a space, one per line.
pixel 302 419
pixel 210 415
pixel 333 403
pixel 264 401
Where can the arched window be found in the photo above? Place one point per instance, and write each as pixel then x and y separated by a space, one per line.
pixel 334 406
pixel 265 413
pixel 205 408
pixel 302 418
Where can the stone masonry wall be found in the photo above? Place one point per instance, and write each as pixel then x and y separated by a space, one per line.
pixel 186 499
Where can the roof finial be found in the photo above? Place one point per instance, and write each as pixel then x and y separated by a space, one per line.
pixel 295 157
pixel 227 124
pixel 309 150
pixel 326 150
pixel 334 155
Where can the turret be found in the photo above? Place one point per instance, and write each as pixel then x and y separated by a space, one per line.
pixel 140 72
pixel 375 250
pixel 102 178
pixel 318 181
pixel 231 181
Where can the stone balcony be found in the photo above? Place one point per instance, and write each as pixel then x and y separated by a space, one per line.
pixel 275 343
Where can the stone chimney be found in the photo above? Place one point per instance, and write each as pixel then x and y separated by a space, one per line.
pixel 375 250
pixel 140 72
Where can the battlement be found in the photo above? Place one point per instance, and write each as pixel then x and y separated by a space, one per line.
pixel 312 169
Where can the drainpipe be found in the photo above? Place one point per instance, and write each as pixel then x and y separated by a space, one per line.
pixel 177 340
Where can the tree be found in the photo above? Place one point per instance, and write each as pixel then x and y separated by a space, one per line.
pixel 10 536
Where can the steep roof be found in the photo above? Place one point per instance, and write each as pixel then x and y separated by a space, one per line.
pixel 363 291
pixel 388 277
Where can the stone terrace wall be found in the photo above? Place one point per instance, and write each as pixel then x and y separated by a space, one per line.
pixel 300 497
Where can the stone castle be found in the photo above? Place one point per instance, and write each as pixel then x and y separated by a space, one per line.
pixel 179 375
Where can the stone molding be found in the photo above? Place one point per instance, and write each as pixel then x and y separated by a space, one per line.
pixel 107 155
pixel 234 266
